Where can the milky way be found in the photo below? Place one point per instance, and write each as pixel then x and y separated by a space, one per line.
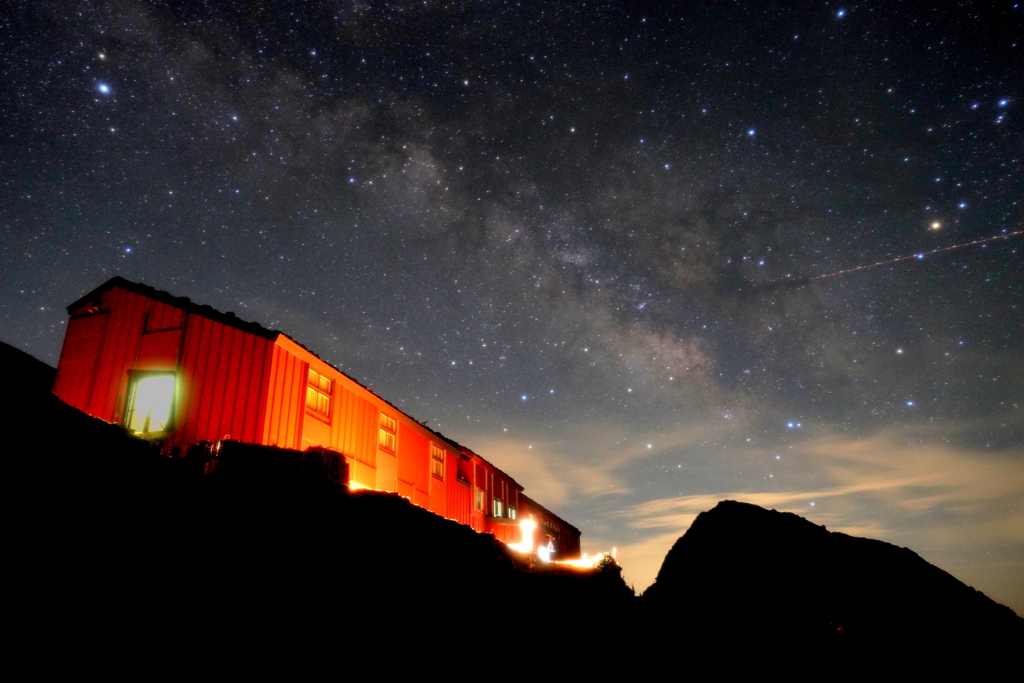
pixel 579 239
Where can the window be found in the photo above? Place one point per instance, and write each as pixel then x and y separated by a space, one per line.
pixel 511 512
pixel 318 394
pixel 478 501
pixel 388 433
pixel 498 508
pixel 436 461
pixel 150 404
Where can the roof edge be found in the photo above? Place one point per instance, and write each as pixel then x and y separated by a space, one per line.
pixel 533 501
pixel 182 302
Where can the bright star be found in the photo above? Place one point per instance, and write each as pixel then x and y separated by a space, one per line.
pixel 103 88
pixel 751 132
pixel 841 13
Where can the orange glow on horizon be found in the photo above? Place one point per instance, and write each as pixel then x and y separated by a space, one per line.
pixel 587 562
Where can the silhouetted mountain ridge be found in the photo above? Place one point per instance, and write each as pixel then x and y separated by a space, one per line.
pixel 741 569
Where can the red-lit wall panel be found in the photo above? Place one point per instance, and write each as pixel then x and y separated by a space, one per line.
pixel 286 400
pixel 224 373
pixel 355 425
pixel 220 370
pixel 413 465
pixel 458 500
pixel 117 353
pixel 79 359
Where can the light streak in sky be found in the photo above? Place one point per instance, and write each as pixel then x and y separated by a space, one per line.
pixel 919 255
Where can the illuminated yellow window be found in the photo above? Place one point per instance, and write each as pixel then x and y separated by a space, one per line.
pixel 318 393
pixel 388 433
pixel 478 499
pixel 436 461
pixel 150 404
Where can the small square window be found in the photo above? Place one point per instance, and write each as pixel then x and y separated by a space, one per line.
pixel 388 434
pixel 318 394
pixel 436 461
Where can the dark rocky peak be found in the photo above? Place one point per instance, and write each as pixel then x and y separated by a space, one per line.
pixel 743 574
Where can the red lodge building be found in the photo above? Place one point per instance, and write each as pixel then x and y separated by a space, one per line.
pixel 167 368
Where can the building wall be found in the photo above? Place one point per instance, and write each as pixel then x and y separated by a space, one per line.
pixel 224 374
pixel 242 382
pixel 551 527
pixel 220 371
pixel 353 428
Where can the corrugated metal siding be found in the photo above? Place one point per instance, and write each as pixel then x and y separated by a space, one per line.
pixel 161 316
pixel 79 359
pixel 223 373
pixel 286 400
pixel 413 465
pixel 355 425
pixel 351 428
pixel 159 350
pixel 506 533
pixel 458 500
pixel 220 370
pixel 118 352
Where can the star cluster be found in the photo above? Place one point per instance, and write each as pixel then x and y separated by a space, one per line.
pixel 579 237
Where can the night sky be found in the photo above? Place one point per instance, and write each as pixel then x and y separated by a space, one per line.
pixel 580 238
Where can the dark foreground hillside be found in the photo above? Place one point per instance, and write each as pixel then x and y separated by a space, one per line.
pixel 121 547
pixel 123 558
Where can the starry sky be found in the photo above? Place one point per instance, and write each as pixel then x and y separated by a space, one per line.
pixel 583 239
